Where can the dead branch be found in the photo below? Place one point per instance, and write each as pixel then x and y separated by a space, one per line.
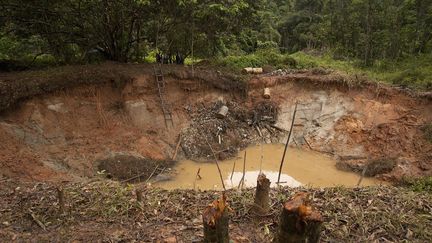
pixel 287 143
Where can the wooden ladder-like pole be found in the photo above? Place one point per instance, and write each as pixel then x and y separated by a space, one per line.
pixel 160 83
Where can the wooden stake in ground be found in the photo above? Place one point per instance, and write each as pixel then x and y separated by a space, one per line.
pixel 362 176
pixel 299 222
pixel 216 221
pixel 287 143
pixel 262 199
pixel 241 183
pixel 139 193
pixel 177 148
pixel 61 201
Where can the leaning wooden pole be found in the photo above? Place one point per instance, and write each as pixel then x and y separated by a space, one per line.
pixel 287 143
pixel 262 199
pixel 241 183
pixel 216 221
pixel 299 221
pixel 217 164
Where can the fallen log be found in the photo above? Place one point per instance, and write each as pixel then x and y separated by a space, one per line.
pixel 262 199
pixel 299 221
pixel 250 70
pixel 216 221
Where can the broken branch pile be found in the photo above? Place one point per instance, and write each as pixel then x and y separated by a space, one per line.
pixel 228 134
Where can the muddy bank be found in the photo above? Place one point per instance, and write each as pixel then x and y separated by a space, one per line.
pixel 60 135
pixel 110 212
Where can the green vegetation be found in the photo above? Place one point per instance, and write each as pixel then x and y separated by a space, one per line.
pixel 260 58
pixel 427 129
pixel 414 72
pixel 388 40
pixel 423 184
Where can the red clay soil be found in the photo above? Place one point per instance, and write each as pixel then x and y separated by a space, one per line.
pixel 57 123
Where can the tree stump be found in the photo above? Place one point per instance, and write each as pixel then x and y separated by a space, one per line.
pixel 223 111
pixel 262 199
pixel 299 222
pixel 216 221
pixel 266 94
pixel 61 201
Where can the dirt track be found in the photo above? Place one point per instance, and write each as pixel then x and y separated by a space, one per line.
pixel 56 124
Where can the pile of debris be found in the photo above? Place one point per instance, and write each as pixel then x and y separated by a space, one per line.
pixel 227 134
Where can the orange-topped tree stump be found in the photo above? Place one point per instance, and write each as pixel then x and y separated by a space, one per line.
pixel 299 221
pixel 216 221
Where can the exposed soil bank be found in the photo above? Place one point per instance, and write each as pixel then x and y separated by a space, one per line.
pixel 102 211
pixel 59 124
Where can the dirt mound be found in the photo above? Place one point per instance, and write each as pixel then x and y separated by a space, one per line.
pixel 129 168
pixel 241 127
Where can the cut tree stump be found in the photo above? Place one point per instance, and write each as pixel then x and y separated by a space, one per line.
pixel 216 221
pixel 299 222
pixel 266 94
pixel 223 111
pixel 262 199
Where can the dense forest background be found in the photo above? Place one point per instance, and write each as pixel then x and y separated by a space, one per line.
pixel 74 31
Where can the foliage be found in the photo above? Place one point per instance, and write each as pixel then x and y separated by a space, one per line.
pixel 413 72
pixel 427 129
pixel 363 35
pixel 258 59
pixel 366 30
pixel 423 184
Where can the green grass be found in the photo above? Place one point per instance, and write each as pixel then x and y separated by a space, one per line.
pixel 423 184
pixel 414 72
pixel 258 59
pixel 427 129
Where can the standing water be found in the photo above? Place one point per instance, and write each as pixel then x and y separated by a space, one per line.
pixel 301 167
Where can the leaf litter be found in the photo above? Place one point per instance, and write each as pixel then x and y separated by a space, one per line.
pixel 108 211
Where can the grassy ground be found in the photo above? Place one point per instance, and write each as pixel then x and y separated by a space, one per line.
pixel 413 72
pixel 108 211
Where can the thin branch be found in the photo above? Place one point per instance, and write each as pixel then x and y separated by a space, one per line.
pixel 286 145
pixel 217 163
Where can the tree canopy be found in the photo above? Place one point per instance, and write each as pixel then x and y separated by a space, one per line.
pixel 127 30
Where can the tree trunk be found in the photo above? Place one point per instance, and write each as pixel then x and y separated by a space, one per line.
pixel 299 222
pixel 262 199
pixel 216 222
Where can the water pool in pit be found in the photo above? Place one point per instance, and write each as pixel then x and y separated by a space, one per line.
pixel 301 167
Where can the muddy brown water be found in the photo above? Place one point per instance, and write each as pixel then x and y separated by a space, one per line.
pixel 301 167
